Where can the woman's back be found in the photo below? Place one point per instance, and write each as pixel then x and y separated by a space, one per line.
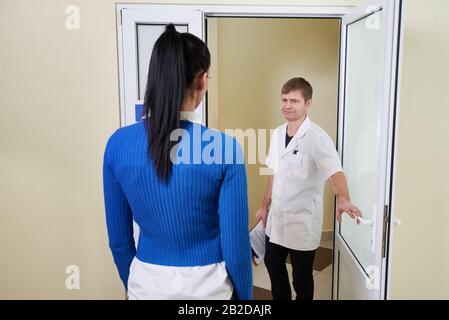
pixel 197 218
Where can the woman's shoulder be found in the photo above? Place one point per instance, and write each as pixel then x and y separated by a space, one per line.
pixel 127 131
pixel 121 137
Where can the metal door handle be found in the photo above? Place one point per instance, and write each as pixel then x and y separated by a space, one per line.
pixel 365 222
pixel 396 221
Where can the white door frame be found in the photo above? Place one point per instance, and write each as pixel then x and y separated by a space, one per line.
pixel 392 86
pixel 217 11
pixel 393 220
pixel 277 11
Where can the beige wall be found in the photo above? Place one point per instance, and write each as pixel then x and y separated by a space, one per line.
pixel 253 59
pixel 59 103
pixel 421 243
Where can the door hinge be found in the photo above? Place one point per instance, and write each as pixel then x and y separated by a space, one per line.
pixel 384 232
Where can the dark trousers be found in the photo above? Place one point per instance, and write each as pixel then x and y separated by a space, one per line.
pixel 302 265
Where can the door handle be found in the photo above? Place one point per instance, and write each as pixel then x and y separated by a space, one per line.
pixel 365 221
pixel 371 223
pixel 396 221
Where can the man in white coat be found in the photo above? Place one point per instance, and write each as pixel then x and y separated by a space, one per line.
pixel 303 158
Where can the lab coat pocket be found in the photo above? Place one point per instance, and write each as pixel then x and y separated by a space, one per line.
pixel 299 168
pixel 299 230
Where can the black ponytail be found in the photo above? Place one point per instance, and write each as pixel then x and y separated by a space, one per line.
pixel 175 61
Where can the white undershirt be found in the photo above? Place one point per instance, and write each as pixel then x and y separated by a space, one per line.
pixel 155 282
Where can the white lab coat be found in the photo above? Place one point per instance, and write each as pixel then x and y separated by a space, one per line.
pixel 295 219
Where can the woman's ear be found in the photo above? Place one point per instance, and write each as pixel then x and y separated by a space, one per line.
pixel 202 80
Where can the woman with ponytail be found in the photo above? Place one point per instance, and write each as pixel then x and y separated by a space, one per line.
pixel 192 214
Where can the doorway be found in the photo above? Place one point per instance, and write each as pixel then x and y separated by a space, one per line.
pixel 369 49
pixel 251 59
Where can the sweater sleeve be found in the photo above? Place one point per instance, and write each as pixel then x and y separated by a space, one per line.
pixel 119 219
pixel 235 242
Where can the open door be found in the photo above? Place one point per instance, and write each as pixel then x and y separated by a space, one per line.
pixel 138 31
pixel 370 50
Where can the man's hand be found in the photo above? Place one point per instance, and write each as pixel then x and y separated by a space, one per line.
pixel 345 205
pixel 262 214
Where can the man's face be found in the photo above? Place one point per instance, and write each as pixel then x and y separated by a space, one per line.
pixel 293 105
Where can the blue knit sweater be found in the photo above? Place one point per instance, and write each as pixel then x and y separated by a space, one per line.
pixel 199 217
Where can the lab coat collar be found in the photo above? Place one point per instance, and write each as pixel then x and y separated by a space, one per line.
pixel 190 116
pixel 301 132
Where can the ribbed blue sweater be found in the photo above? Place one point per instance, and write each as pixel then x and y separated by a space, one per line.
pixel 199 217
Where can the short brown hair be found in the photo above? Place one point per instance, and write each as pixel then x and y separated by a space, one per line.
pixel 300 84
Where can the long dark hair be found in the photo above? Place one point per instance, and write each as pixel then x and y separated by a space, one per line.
pixel 175 61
